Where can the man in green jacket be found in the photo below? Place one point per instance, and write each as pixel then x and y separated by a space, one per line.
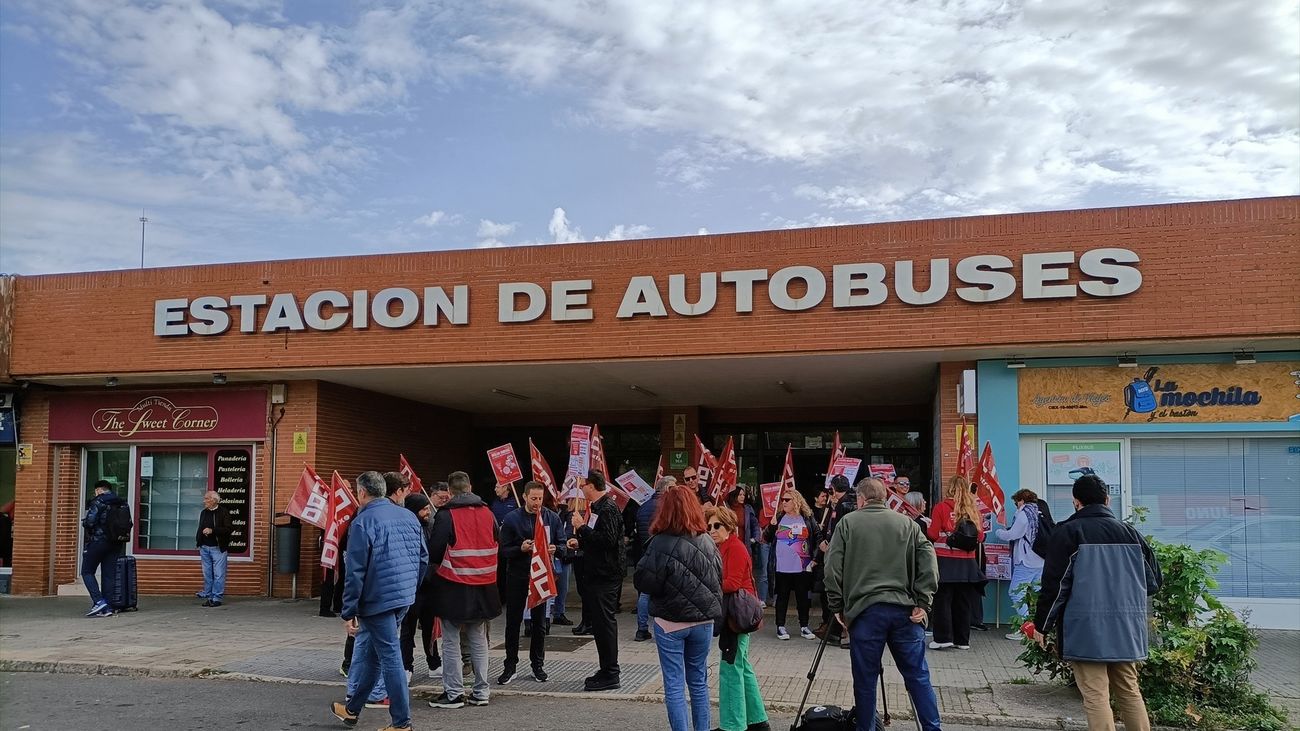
pixel 881 576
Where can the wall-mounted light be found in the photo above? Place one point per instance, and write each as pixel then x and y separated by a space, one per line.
pixel 1127 360
pixel 1015 362
pixel 785 386
pixel 278 393
pixel 111 381
pixel 510 394
pixel 1244 356
pixel 219 379
pixel 644 391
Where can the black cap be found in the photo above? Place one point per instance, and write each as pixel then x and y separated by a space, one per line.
pixel 415 502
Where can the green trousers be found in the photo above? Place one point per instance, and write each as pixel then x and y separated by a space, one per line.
pixel 739 703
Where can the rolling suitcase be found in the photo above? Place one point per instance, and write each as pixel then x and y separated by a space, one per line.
pixel 122 594
pixel 834 718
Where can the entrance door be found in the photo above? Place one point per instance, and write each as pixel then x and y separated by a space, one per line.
pixel 112 464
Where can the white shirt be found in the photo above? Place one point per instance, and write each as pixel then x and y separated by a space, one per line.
pixel 1019 529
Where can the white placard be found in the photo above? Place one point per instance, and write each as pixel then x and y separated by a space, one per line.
pixel 635 487
pixel 146 466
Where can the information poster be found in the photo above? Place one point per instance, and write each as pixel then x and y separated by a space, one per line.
pixel 233 477
pixel 1068 461
pixel 997 561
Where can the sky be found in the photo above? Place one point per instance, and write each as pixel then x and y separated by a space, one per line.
pixel 261 129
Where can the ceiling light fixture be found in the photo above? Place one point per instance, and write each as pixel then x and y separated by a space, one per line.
pixel 111 381
pixel 644 391
pixel 219 379
pixel 1015 362
pixel 1244 356
pixel 510 394
pixel 785 386
pixel 1127 360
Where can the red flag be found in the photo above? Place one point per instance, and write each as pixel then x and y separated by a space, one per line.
pixel 542 471
pixel 837 451
pixel 705 462
pixel 787 480
pixel 310 501
pixel 541 569
pixel 965 453
pixel 404 469
pixel 724 477
pixel 987 487
pixel 342 508
pixel 598 454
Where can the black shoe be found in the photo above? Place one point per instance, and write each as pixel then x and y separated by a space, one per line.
pixel 206 603
pixel 506 676
pixel 446 701
pixel 980 627
pixel 540 675
pixel 606 683
pixel 562 620
pixel 328 613
pixel 760 726
pixel 581 629
pixel 474 700
pixel 642 635
pixel 214 603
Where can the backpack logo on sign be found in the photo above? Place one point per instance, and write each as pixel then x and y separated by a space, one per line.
pixel 118 523
pixel 965 536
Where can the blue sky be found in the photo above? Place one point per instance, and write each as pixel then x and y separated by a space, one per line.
pixel 256 129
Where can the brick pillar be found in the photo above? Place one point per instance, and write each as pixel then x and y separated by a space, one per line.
pixel 670 431
pixel 949 421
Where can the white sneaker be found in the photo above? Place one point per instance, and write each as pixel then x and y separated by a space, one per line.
pixel 781 634
pixel 940 645
pixel 962 647
pixel 409 675
pixel 1016 636
pixel 807 634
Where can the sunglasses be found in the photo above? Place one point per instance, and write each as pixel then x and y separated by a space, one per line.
pixel 903 483
pixel 716 526
pixel 786 499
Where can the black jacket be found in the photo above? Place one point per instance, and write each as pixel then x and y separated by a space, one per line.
pixel 683 577
pixel 1097 577
pixel 222 530
pixel 604 556
pixel 451 600
pixel 517 528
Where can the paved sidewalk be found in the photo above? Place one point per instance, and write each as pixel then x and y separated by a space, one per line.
pixel 285 641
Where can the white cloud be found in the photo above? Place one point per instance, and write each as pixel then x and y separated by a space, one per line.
pixel 492 230
pixel 562 232
pixel 898 108
pixel 433 219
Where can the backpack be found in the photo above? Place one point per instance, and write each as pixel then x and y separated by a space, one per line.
pixel 117 522
pixel 1044 537
pixel 965 536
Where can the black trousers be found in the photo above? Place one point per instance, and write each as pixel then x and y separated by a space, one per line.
pixel 516 601
pixel 801 584
pixel 951 613
pixel 600 606
pixel 421 612
pixel 331 591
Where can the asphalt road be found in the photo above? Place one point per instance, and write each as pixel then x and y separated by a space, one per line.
pixel 40 701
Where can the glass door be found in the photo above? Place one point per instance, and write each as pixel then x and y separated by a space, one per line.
pixel 112 464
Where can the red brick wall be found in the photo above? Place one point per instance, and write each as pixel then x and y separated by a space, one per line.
pixel 1238 259
pixel 949 420
pixel 32 492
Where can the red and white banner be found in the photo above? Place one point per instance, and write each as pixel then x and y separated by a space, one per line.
pixel 837 451
pixel 787 479
pixel 847 466
pixel 987 487
pixel 705 463
pixel 404 469
pixel 342 508
pixel 310 500
pixel 542 471
pixel 621 498
pixel 598 461
pixel 570 489
pixel 724 477
pixel 504 464
pixel 896 503
pixel 579 451
pixel 636 488
pixel 541 569
pixel 884 472
pixel 965 453
pixel 771 492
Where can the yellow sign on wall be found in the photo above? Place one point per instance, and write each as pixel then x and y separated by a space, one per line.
pixel 24 454
pixel 1175 393
pixel 300 442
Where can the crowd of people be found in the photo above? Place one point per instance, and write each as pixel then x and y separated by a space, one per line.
pixel 445 564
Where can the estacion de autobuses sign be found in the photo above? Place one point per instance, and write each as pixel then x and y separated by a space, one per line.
pixel 984 278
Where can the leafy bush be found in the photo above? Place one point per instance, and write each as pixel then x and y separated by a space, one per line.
pixel 1198 672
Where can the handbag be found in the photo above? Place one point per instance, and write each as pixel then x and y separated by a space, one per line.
pixel 742 611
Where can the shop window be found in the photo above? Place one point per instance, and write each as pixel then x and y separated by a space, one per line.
pixel 895 439
pixel 172 484
pixel 111 465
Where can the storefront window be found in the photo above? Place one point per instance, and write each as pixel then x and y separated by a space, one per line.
pixel 171 494
pixel 1238 496
pixel 113 465
pixel 895 439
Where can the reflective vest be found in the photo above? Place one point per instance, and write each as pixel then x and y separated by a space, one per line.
pixel 473 558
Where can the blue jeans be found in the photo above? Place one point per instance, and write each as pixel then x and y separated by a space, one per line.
pixel 214 572
pixel 643 612
pixel 684 661
pixel 1021 577
pixel 101 555
pixel 760 572
pixel 562 572
pixel 891 624
pixel 379 652
pixel 360 648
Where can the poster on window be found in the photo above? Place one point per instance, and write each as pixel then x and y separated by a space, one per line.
pixel 1068 461
pixel 233 477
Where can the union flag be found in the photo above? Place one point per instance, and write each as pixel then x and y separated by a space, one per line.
pixel 541 569
pixel 342 508
pixel 542 471
pixel 965 453
pixel 987 487
pixel 724 477
pixel 404 469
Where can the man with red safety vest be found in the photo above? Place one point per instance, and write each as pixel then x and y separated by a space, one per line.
pixel 463 546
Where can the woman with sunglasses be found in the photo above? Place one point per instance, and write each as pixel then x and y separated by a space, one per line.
pixel 740 707
pixel 795 536
pixel 681 572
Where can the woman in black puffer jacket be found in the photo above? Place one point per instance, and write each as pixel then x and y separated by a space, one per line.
pixel 681 572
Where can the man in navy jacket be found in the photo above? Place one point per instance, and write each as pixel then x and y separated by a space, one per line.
pixel 518 547
pixel 386 559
